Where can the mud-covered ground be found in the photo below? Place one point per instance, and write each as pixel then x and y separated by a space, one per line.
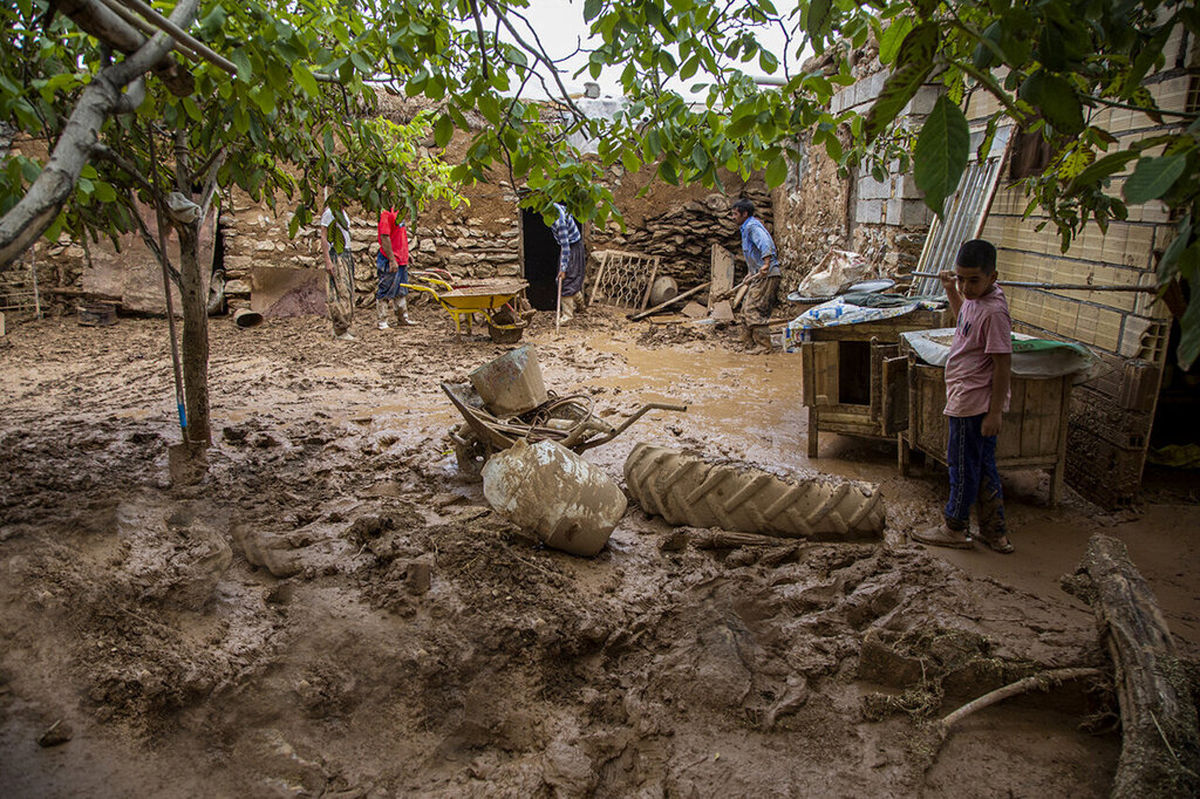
pixel 422 645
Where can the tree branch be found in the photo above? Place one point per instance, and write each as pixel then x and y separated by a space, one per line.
pixel 36 211
pixel 95 19
pixel 538 53
pixel 479 30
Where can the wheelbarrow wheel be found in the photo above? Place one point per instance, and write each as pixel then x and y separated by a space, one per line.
pixel 506 334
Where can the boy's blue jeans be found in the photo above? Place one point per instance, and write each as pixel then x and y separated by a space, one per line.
pixel 971 457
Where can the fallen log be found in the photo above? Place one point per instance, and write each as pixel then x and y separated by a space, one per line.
pixel 1160 747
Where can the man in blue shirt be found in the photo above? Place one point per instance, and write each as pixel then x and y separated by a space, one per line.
pixel 572 261
pixel 762 265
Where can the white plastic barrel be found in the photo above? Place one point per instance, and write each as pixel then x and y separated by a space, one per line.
pixel 544 487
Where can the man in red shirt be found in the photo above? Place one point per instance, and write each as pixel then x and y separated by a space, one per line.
pixel 978 373
pixel 391 265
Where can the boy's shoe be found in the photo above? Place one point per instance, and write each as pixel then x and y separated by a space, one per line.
pixel 382 324
pixel 942 536
pixel 998 543
pixel 347 336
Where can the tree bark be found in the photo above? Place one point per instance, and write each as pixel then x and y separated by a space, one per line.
pixel 1160 749
pixel 37 210
pixel 94 18
pixel 195 335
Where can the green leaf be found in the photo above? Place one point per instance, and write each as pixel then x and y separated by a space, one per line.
pixel 443 130
pixel 741 126
pixel 1152 177
pixel 1166 264
pixel 941 153
pixel 1099 170
pixel 305 78
pixel 667 171
pixel 490 108
pixel 591 9
pixel 889 42
pixel 1056 99
pixel 193 111
pixel 242 61
pixel 776 171
pixel 105 192
pixel 817 17
pixel 914 63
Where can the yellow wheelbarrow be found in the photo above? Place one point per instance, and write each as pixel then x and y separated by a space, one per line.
pixel 497 300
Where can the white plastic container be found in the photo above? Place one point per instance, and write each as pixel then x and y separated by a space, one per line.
pixel 544 487
pixel 511 384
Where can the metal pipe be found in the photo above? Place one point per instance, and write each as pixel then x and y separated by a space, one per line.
pixel 1058 286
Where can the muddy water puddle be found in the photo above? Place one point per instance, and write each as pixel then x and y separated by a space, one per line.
pixel 748 404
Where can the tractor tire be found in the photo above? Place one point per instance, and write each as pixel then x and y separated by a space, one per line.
pixel 684 489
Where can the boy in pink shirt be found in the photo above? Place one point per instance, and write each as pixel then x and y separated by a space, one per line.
pixel 978 373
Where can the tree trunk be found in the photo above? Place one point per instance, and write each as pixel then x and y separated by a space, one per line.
pixel 195 335
pixel 1160 749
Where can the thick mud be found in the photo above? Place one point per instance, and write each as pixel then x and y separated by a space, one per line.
pixel 335 612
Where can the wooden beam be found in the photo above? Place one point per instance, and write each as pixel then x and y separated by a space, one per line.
pixel 689 293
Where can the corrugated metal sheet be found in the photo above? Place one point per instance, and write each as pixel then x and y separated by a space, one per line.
pixel 965 213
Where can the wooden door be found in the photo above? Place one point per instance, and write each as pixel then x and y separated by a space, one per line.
pixel 819 367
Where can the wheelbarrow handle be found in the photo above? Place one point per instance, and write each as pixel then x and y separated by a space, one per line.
pixel 415 287
pixel 437 282
pixel 638 414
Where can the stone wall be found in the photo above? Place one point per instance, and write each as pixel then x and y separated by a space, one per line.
pixel 818 210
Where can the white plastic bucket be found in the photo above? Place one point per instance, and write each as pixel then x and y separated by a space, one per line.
pixel 511 384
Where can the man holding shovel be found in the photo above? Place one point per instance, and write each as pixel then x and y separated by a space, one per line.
pixel 572 261
pixel 763 272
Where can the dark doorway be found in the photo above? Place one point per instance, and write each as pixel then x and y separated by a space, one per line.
pixel 854 372
pixel 539 253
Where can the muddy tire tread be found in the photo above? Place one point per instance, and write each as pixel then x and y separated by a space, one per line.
pixel 684 489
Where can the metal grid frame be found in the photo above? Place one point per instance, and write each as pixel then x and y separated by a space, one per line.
pixel 19 289
pixel 624 278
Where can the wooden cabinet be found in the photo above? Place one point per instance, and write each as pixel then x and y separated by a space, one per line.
pixel 1033 436
pixel 854 377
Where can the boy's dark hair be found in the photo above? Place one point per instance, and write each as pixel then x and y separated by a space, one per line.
pixel 744 205
pixel 977 254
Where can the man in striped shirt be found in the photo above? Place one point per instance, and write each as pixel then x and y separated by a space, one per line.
pixel 572 261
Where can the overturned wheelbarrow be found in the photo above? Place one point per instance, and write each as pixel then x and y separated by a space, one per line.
pixel 568 421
